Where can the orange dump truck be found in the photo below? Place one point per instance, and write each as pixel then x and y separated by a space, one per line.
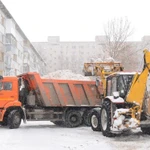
pixel 30 97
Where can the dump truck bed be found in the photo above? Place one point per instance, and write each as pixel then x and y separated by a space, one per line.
pixel 54 92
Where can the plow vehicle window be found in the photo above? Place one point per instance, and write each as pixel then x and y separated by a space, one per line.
pixel 111 85
pixel 119 83
pixel 124 83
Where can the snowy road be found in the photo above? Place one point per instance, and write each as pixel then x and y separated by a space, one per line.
pixel 47 136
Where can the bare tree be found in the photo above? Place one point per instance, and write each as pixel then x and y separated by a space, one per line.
pixel 117 31
pixel 117 46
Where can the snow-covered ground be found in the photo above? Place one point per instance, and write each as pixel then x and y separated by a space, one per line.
pixel 47 136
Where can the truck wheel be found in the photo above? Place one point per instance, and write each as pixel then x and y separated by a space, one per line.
pixel 145 130
pixel 14 119
pixel 73 119
pixel 95 121
pixel 58 123
pixel 86 117
pixel 4 123
pixel 106 119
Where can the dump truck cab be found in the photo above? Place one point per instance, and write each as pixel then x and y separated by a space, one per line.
pixel 9 101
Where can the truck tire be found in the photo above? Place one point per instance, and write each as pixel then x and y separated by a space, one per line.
pixel 58 123
pixel 146 130
pixel 73 118
pixel 4 123
pixel 14 119
pixel 95 121
pixel 86 118
pixel 105 119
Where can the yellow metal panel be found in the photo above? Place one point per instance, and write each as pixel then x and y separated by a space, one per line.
pixel 138 87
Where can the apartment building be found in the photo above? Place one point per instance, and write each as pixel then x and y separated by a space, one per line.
pixel 17 54
pixel 61 55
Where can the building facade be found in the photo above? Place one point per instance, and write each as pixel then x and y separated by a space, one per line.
pixel 68 55
pixel 17 54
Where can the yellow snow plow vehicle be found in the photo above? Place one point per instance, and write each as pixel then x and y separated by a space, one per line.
pixel 125 105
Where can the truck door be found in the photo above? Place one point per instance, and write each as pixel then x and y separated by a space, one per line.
pixel 8 91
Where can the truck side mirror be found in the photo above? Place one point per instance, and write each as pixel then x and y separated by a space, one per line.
pixel 1 86
pixel 1 77
pixel 97 82
pixel 19 81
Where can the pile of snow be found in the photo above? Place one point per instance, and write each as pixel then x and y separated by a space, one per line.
pixel 65 74
pixel 107 59
pixel 110 59
pixel 96 60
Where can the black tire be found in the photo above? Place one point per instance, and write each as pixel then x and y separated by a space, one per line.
pixel 146 130
pixel 4 123
pixel 73 118
pixel 58 123
pixel 105 114
pixel 14 119
pixel 86 118
pixel 95 121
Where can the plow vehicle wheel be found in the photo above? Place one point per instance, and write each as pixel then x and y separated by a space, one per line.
pixel 95 121
pixel 106 119
pixel 73 118
pixel 86 117
pixel 14 119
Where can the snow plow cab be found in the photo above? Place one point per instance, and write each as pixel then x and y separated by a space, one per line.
pixel 101 70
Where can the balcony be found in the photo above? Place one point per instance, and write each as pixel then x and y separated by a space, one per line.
pixel 10 48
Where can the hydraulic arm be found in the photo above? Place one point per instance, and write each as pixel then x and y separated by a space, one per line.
pixel 138 87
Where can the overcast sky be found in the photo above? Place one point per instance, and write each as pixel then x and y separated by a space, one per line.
pixel 77 20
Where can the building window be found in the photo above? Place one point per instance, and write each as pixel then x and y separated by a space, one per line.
pixel 26 68
pixel 1 56
pixel 1 72
pixel 80 46
pixel 10 39
pixel 2 20
pixel 15 71
pixel 15 57
pixel 18 53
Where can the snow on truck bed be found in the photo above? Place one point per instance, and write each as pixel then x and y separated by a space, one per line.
pixel 65 74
